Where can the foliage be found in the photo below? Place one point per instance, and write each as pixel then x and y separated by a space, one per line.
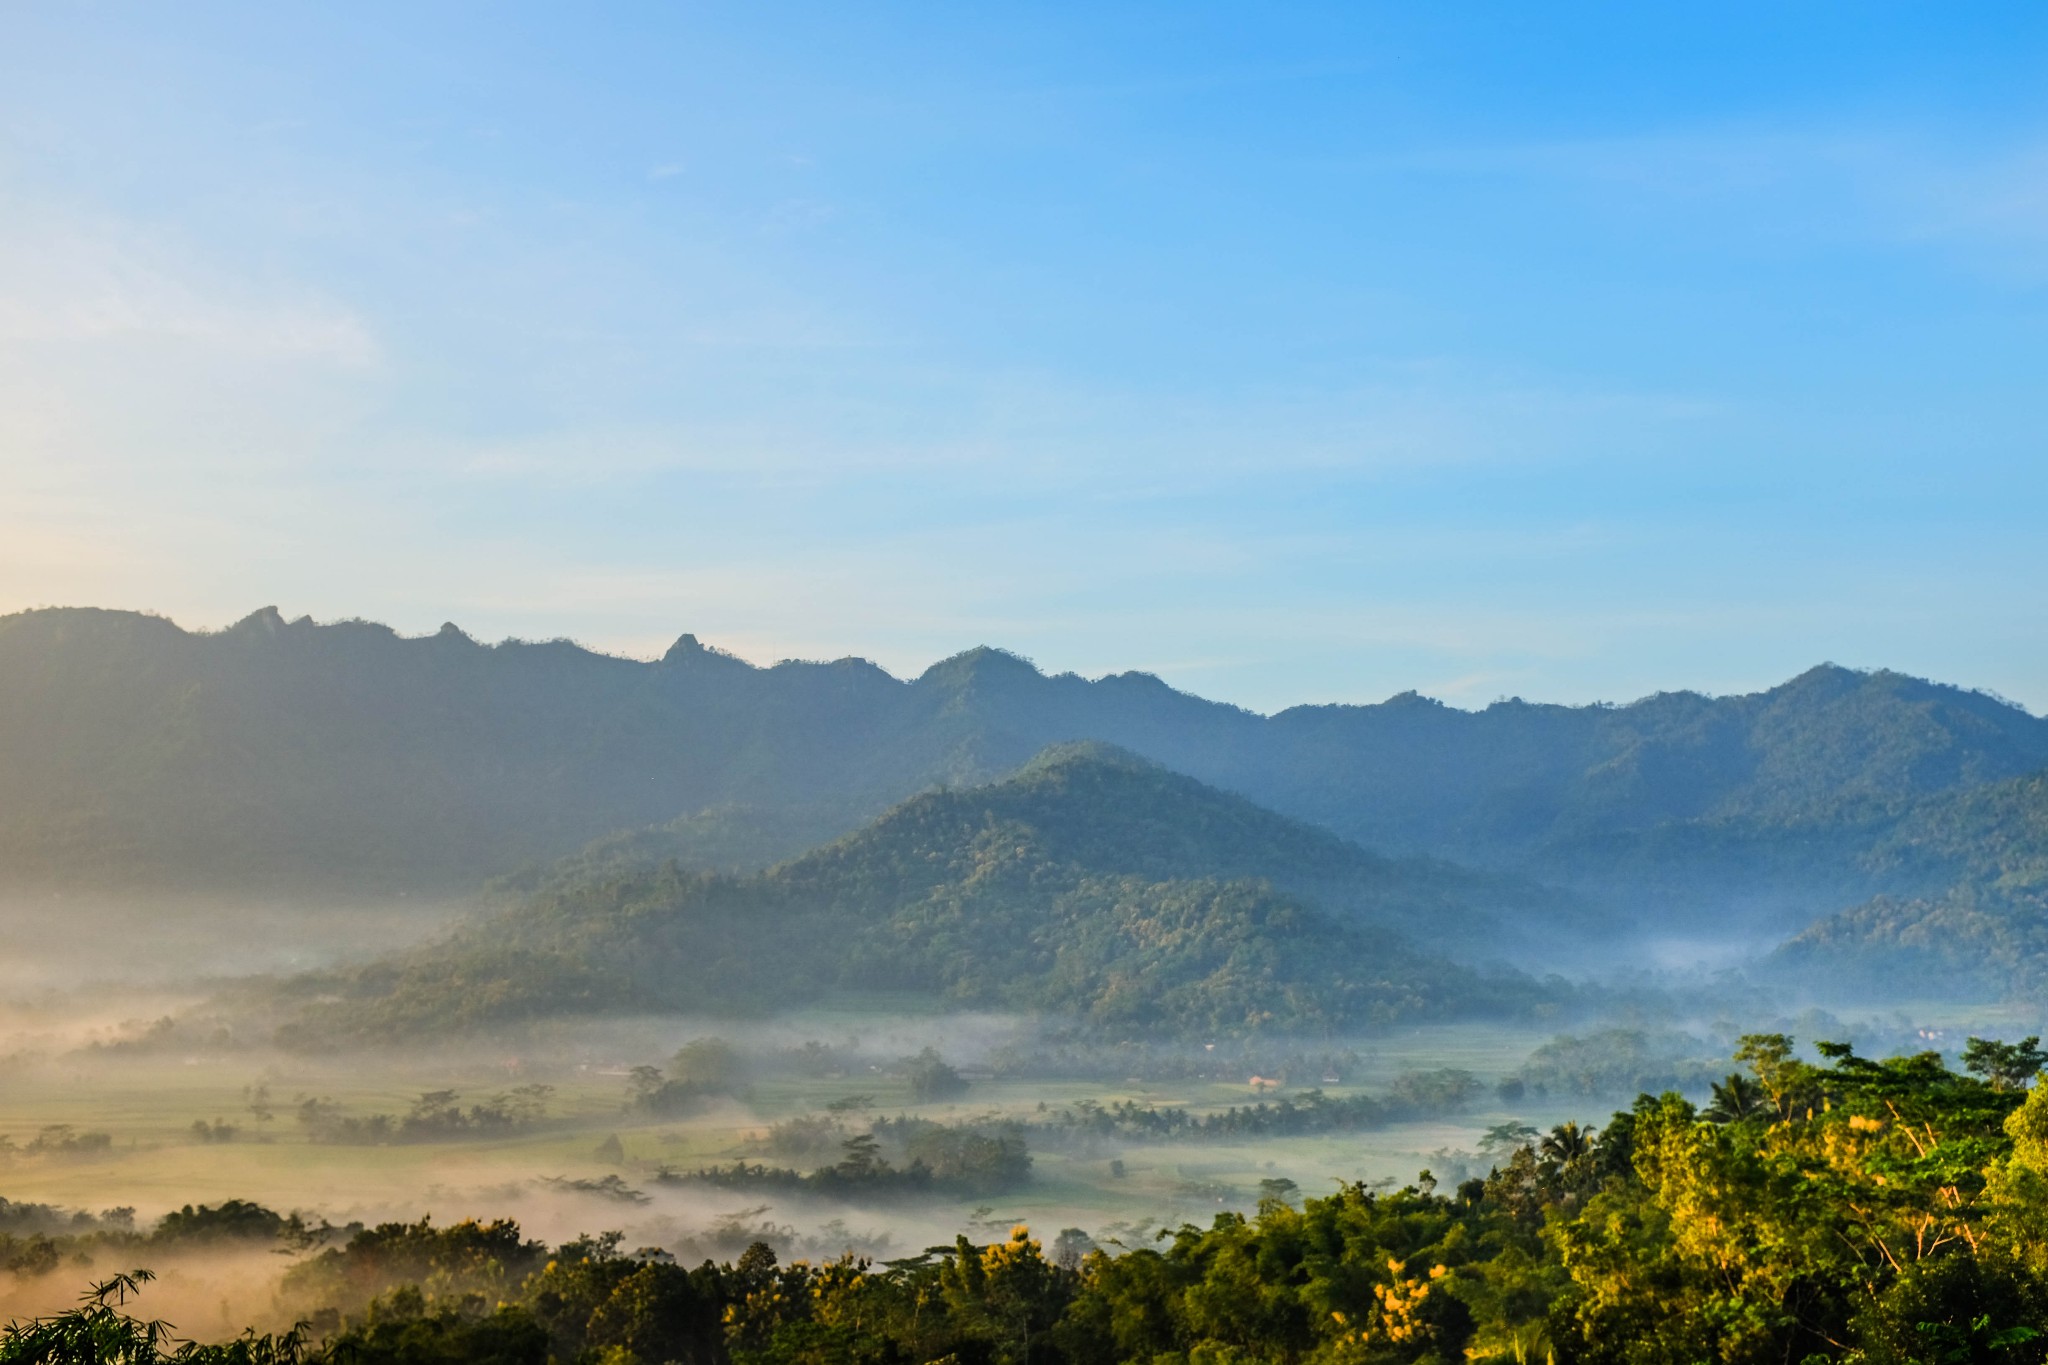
pixel 100 1332
pixel 700 1069
pixel 466 1258
pixel 1974 913
pixel 931 1078
pixel 232 1220
pixel 972 1160
pixel 62 1140
pixel 436 1116
pixel 2008 1066
pixel 1414 1095
pixel 1616 1062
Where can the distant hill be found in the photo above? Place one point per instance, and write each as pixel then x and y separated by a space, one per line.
pixel 1091 885
pixel 288 754
pixel 1981 923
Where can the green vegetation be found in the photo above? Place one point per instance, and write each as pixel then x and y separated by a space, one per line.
pixel 61 1139
pixel 38 1239
pixel 972 1160
pixel 1846 1210
pixel 1982 926
pixel 932 1077
pixel 100 1332
pixel 1617 1061
pixel 436 1116
pixel 1413 1095
pixel 834 1072
pixel 729 838
pixel 702 1069
pixel 1091 886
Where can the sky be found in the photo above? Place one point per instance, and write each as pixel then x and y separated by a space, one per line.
pixel 1290 352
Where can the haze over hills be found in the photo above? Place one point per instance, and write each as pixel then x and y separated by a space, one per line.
pixel 1100 806
pixel 1091 885
pixel 288 754
pixel 1981 923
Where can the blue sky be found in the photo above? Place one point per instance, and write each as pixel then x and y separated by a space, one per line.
pixel 1290 352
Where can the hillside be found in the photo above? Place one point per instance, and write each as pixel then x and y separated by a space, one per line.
pixel 1091 885
pixel 1982 923
pixel 288 754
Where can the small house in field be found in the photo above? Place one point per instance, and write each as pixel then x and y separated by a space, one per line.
pixel 1262 1083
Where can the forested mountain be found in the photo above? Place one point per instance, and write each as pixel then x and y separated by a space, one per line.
pixel 281 753
pixel 1091 885
pixel 1981 920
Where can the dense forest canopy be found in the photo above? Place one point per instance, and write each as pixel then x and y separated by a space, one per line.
pixel 1980 925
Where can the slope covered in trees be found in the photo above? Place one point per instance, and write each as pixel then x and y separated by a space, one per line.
pixel 289 753
pixel 1982 923
pixel 1091 884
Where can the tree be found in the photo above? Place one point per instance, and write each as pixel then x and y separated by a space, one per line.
pixel 1277 1190
pixel 1567 1144
pixel 1007 1294
pixel 2008 1066
pixel 98 1332
pixel 708 1063
pixel 1503 1139
pixel 656 1314
pixel 1071 1247
pixel 642 1083
pixel 1570 1156
pixel 863 1158
pixel 1772 1061
pixel 931 1078
pixel 1737 1098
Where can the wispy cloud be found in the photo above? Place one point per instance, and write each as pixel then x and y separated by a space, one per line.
pixel 1984 202
pixel 1996 206
pixel 91 280
pixel 882 415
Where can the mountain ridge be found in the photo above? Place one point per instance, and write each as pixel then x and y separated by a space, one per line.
pixel 286 753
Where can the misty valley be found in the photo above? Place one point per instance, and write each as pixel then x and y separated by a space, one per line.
pixel 417 999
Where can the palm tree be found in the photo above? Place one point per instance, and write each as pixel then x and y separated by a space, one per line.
pixel 1735 1099
pixel 1566 1152
pixel 1567 1144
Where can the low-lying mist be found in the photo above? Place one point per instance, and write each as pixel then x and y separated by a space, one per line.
pixel 873 1126
pixel 53 943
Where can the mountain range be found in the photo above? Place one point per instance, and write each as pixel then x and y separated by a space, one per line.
pixel 345 759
